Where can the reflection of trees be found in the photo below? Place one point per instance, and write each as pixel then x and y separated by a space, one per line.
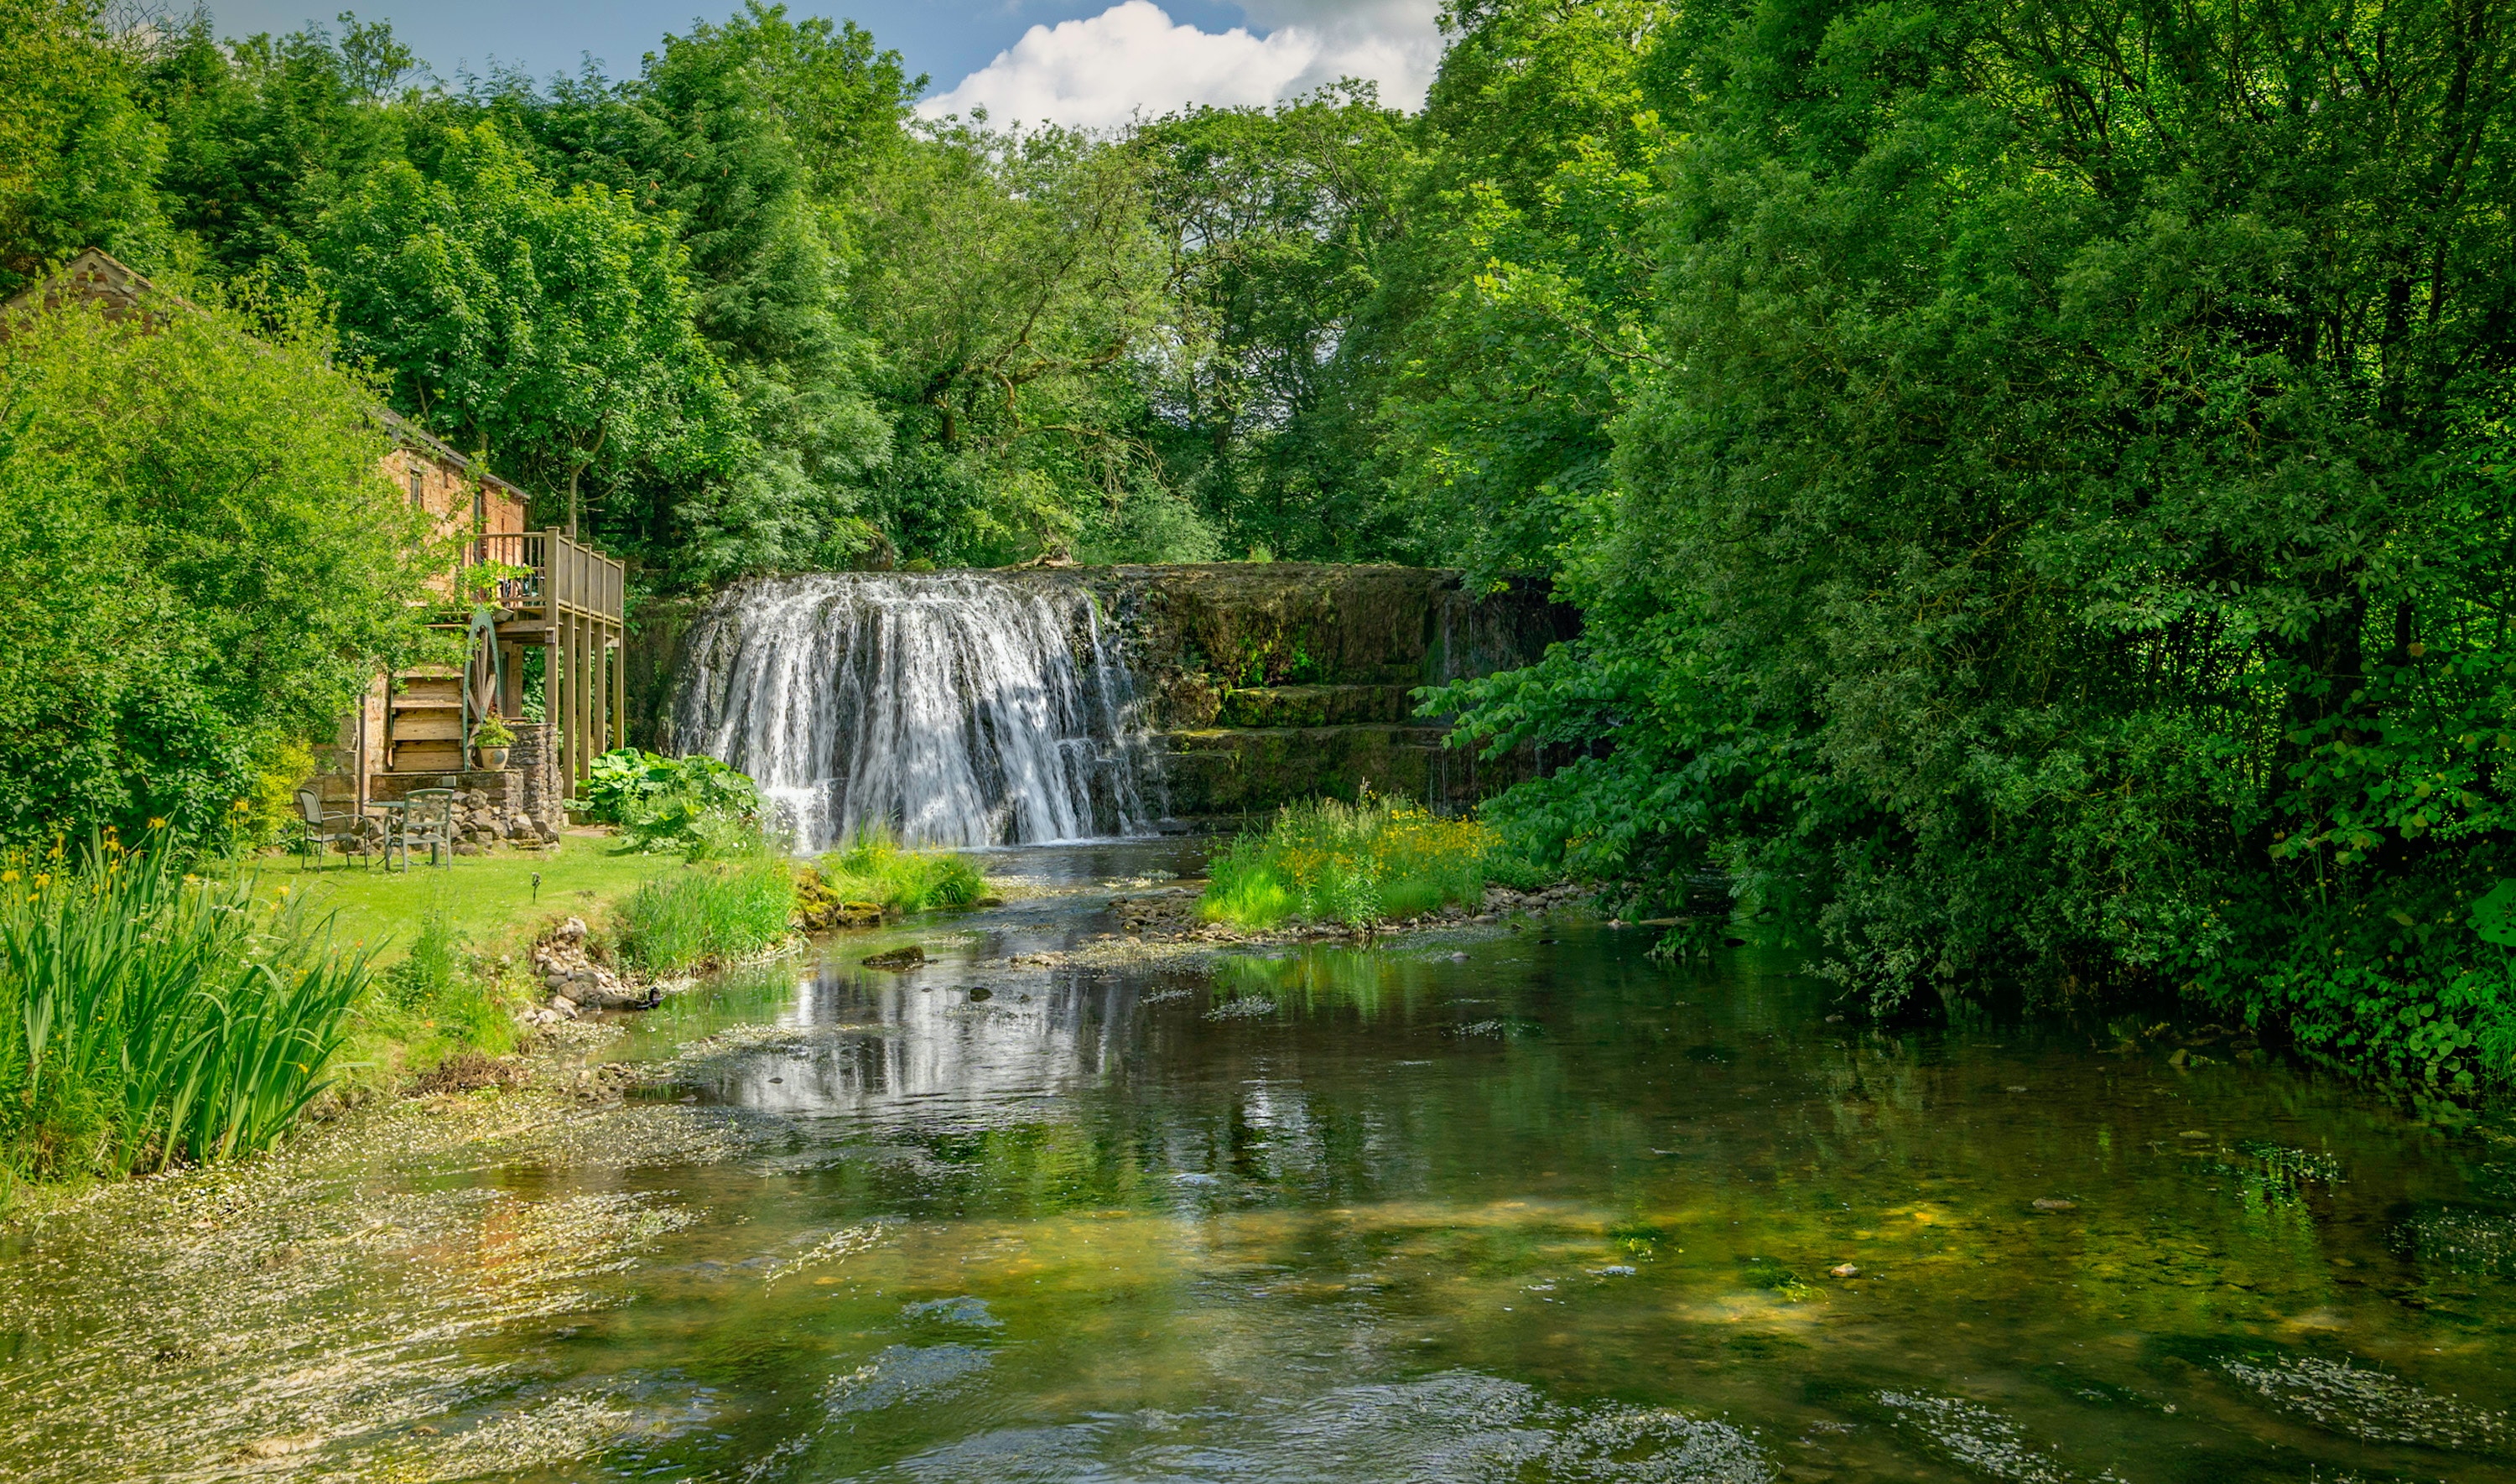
pixel 1746 1144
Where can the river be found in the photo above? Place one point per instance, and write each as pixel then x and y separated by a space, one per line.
pixel 1519 1204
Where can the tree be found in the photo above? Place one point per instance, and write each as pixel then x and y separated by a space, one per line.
pixel 552 328
pixel 1271 224
pixel 1007 278
pixel 210 574
pixel 2059 534
pixel 699 140
pixel 267 134
pixel 77 154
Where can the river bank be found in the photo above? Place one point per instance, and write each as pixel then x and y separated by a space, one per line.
pixel 1469 1204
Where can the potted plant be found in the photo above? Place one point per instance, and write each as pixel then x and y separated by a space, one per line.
pixel 490 740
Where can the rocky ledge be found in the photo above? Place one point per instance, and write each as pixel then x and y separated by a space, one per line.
pixel 1171 915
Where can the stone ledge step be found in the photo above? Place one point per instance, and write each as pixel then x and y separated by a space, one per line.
pixel 1270 706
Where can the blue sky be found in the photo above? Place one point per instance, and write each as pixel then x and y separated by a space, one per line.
pixel 1090 63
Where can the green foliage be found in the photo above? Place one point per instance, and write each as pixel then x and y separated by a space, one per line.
pixel 711 914
pixel 264 135
pixel 553 327
pixel 1275 225
pixel 694 806
pixel 2041 553
pixel 712 137
pixel 147 1016
pixel 196 582
pixel 1354 864
pixel 79 154
pixel 875 867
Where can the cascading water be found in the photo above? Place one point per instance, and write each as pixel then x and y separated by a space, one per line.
pixel 956 708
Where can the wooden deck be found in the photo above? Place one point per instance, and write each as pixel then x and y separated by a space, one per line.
pixel 545 592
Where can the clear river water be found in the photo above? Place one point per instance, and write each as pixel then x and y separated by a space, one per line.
pixel 1518 1205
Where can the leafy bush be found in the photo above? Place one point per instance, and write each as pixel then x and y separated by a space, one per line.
pixel 873 867
pixel 696 805
pixel 712 913
pixel 147 1016
pixel 1355 864
pixel 211 573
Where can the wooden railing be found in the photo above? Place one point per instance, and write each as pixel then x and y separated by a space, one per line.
pixel 560 575
pixel 566 599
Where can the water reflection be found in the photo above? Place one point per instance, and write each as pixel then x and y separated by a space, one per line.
pixel 1528 1206
pixel 880 1047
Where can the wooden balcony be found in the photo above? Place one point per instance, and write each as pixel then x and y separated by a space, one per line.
pixel 540 590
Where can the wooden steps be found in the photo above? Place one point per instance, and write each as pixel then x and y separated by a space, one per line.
pixel 426 724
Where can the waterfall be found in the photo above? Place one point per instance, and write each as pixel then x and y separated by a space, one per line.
pixel 956 708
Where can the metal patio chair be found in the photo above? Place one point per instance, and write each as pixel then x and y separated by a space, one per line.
pixel 318 827
pixel 427 819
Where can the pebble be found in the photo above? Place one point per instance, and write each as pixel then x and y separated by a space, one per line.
pixel 1844 1270
pixel 2053 1203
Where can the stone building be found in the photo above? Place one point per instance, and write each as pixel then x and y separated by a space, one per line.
pixel 511 591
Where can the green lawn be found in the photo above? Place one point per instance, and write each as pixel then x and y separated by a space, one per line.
pixel 488 894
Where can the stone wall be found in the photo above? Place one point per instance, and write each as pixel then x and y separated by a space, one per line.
pixel 1261 682
pixel 521 804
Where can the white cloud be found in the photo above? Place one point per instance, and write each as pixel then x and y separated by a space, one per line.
pixel 1132 57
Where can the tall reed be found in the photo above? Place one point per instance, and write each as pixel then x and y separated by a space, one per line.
pixel 147 1016
pixel 1352 863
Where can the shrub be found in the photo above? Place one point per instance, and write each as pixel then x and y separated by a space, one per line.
pixel 209 573
pixel 873 867
pixel 695 804
pixel 1354 864
pixel 712 913
pixel 147 1016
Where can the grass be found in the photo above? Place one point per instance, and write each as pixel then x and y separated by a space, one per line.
pixel 448 942
pixel 480 899
pixel 875 867
pixel 438 1001
pixel 148 1016
pixel 708 913
pixel 1355 864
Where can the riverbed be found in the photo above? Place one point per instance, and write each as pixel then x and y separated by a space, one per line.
pixel 1517 1202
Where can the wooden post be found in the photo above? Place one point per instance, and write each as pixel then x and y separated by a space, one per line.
pixel 620 691
pixel 598 677
pixel 511 681
pixel 581 692
pixel 554 707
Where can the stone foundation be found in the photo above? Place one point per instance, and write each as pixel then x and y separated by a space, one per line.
pixel 518 806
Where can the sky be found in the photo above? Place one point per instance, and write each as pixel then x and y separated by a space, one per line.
pixel 1089 65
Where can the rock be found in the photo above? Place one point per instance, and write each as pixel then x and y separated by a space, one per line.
pixel 982 992
pixel 2017 1089
pixel 1844 1270
pixel 910 957
pixel 570 932
pixel 2053 1203
pixel 467 847
pixel 563 1004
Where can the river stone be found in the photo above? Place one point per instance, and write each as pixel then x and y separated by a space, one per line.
pixel 910 957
